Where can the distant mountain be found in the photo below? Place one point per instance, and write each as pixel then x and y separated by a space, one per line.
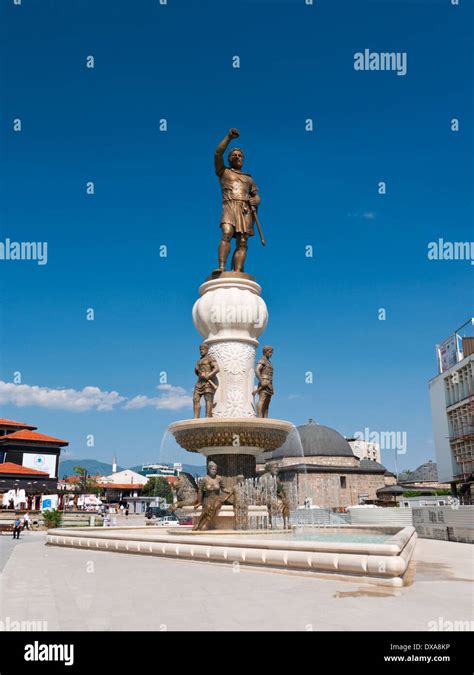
pixel 94 468
pixel 195 469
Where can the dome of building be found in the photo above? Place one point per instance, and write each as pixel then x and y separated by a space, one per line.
pixel 427 472
pixel 316 440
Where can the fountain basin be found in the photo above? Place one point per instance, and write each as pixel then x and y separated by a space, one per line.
pixel 246 435
pixel 377 563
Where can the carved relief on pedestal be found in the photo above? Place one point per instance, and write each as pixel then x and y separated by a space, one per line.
pixel 234 394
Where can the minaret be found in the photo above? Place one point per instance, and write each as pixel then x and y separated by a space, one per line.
pixel 114 464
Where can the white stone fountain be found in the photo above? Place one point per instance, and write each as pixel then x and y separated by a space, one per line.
pixel 230 314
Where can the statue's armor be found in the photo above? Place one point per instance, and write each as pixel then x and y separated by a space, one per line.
pixel 236 188
pixel 204 366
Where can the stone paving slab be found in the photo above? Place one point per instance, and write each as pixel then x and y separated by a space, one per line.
pixel 99 591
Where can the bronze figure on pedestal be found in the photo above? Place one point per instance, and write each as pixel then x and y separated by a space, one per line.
pixel 239 204
pixel 264 373
pixel 212 494
pixel 206 369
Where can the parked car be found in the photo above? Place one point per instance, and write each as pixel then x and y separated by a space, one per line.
pixel 155 512
pixel 186 521
pixel 168 521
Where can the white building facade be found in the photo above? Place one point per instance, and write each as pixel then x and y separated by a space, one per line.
pixel 452 410
pixel 365 450
pixel 127 476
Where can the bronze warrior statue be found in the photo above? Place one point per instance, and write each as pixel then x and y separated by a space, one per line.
pixel 264 373
pixel 206 369
pixel 212 494
pixel 239 203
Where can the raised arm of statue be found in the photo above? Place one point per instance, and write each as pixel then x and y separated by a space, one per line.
pixel 219 153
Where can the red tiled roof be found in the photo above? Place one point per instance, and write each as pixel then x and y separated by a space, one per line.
pixel 27 435
pixel 122 486
pixel 76 479
pixel 12 423
pixel 10 467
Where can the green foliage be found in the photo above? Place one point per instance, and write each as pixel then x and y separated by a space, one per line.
pixel 86 484
pixel 52 518
pixel 418 493
pixel 158 487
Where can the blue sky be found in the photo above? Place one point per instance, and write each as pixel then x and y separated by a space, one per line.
pixel 157 188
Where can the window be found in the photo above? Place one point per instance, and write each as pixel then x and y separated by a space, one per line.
pixel 343 481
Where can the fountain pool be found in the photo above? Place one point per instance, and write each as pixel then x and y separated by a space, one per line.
pixel 378 555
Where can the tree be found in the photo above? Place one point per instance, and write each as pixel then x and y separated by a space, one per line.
pixel 158 487
pixel 86 484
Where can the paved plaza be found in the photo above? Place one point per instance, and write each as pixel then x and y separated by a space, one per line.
pixel 72 589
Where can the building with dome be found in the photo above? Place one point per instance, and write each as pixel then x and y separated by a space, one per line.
pixel 321 464
pixel 425 476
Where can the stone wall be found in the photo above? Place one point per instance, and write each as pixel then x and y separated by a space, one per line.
pixel 325 489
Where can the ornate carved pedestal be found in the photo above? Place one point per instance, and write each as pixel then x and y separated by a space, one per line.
pixel 230 315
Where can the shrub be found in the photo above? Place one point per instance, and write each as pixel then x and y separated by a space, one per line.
pixel 52 518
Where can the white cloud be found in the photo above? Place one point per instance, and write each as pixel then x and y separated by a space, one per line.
pixel 171 398
pixel 368 215
pixel 88 398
